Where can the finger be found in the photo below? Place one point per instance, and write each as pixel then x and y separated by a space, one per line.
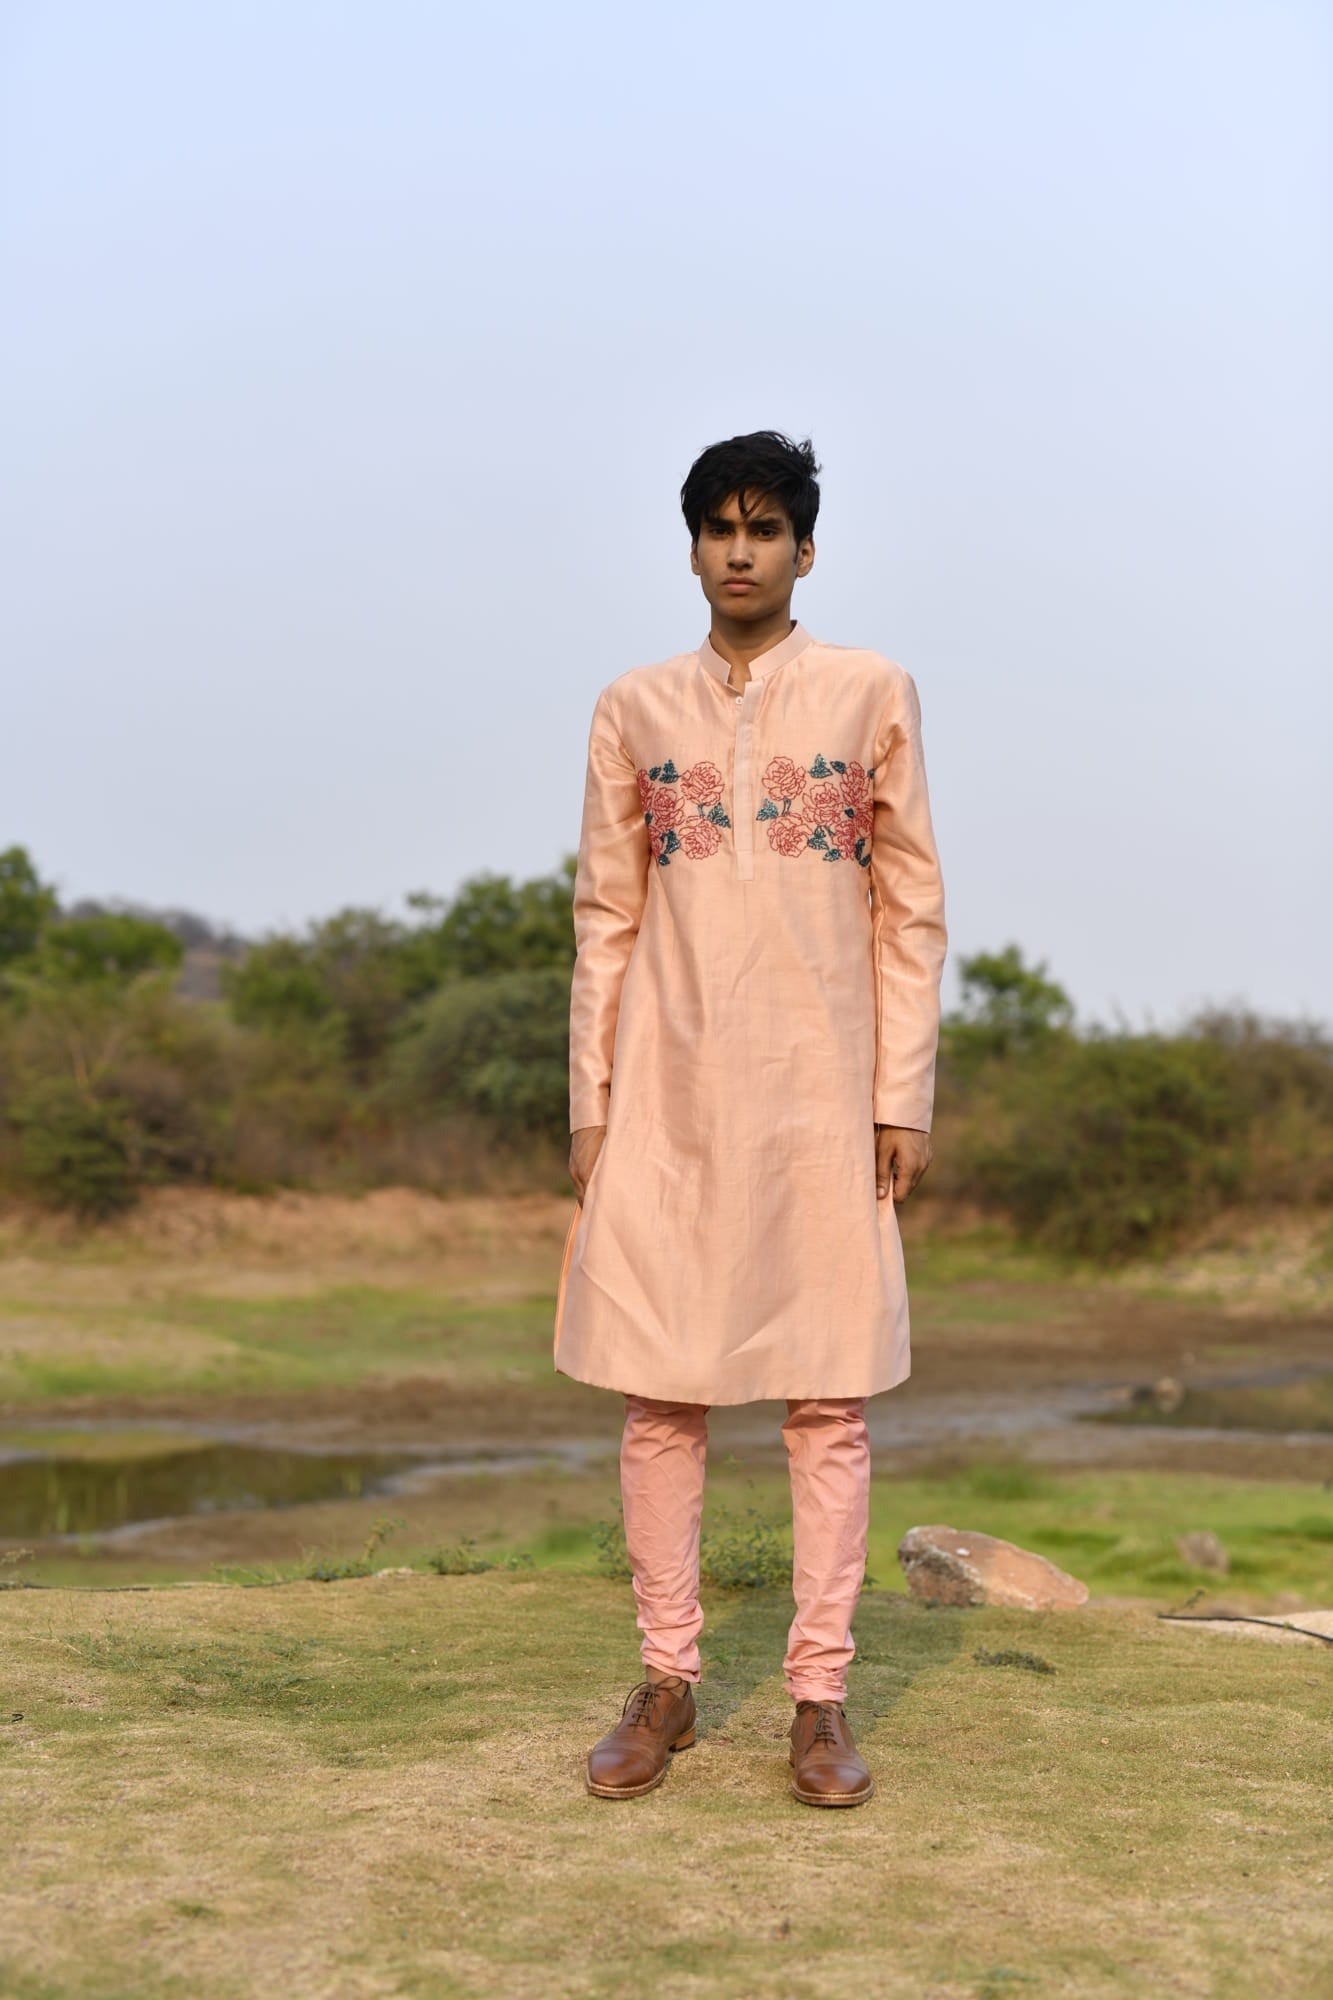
pixel 883 1164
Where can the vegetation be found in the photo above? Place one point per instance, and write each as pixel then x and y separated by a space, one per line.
pixel 433 1051
pixel 376 1785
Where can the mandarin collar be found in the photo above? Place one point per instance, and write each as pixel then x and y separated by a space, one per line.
pixel 764 664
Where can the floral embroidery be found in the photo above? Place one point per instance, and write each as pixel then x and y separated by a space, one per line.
pixel 834 814
pixel 683 810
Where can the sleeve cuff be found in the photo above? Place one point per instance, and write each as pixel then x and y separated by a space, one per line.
pixel 911 1114
pixel 590 1107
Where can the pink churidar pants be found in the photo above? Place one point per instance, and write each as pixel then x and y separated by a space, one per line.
pixel 662 1455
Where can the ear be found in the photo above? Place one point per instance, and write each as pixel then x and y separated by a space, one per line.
pixel 805 556
pixel 694 557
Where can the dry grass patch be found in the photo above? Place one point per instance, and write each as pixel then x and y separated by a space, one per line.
pixel 375 1788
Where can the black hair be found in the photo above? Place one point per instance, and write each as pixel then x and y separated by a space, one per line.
pixel 763 463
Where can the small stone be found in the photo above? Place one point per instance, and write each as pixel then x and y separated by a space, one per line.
pixel 1202 1550
pixel 956 1566
pixel 1168 1395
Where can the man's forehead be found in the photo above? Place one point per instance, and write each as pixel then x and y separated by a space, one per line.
pixel 757 505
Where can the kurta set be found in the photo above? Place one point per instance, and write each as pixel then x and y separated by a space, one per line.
pixel 759 920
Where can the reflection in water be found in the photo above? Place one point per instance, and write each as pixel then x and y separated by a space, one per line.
pixel 61 1494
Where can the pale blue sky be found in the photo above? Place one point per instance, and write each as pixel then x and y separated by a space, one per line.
pixel 353 355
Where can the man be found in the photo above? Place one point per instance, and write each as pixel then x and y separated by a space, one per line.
pixel 753 1025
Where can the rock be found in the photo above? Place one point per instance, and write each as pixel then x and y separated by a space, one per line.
pixel 954 1566
pixel 1203 1551
pixel 1168 1395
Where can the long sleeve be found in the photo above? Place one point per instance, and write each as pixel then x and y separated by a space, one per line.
pixel 610 887
pixel 907 920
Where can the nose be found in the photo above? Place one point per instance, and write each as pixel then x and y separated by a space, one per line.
pixel 738 555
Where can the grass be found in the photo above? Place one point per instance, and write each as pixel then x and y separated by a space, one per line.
pixel 366 1783
pixel 1117 1531
pixel 377 1786
pixel 202 1345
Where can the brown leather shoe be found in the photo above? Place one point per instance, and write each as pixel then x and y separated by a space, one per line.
pixel 827 1767
pixel 658 1717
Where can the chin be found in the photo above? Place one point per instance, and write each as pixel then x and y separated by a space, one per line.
pixel 750 605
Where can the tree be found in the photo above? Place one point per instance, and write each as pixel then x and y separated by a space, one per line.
pixel 27 904
pixel 1008 1006
pixel 112 950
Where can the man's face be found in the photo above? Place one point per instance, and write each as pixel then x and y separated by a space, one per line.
pixel 748 563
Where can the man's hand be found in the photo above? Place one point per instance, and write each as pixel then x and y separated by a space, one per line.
pixel 901 1157
pixel 584 1146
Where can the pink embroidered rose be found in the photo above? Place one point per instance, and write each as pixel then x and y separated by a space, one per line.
pixel 863 820
pixel 664 805
pixel 842 834
pixel 854 783
pixel 823 804
pixel 702 784
pixel 784 778
pixel 645 790
pixel 699 837
pixel 657 842
pixel 787 833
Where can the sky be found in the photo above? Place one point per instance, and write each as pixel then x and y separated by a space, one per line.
pixel 352 357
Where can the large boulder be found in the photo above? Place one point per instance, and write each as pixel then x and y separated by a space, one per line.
pixel 955 1566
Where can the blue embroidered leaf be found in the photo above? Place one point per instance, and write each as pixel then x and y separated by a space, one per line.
pixel 647 819
pixel 671 840
pixel 655 773
pixel 819 769
pixel 838 764
pixel 849 812
pixel 718 817
pixel 832 854
pixel 669 773
pixel 767 810
pixel 817 838
pixel 871 772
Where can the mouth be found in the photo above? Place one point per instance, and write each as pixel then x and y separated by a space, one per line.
pixel 738 584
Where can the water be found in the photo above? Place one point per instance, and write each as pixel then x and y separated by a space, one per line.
pixel 81 1492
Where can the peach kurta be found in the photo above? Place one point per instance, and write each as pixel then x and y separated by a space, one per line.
pixel 759 919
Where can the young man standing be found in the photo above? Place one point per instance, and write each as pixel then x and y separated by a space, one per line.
pixel 759 918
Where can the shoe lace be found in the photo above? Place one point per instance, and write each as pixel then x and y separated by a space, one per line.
pixel 824 1731
pixel 640 1703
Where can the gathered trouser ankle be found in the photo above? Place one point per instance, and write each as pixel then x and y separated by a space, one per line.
pixel 662 1458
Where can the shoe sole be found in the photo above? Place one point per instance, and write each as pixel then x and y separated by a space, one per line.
pixel 832 1798
pixel 685 1742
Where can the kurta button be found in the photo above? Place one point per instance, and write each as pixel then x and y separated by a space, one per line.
pixel 739 699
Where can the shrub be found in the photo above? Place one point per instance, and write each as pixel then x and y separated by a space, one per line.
pixel 76 1148
pixel 1117 1142
pixel 496 1046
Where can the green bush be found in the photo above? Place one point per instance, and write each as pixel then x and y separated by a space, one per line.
pixel 496 1046
pixel 76 1149
pixel 1115 1144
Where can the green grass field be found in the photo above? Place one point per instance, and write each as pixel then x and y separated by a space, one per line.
pixel 375 1788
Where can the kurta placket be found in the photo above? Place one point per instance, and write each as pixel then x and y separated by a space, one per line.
pixel 746 708
pixel 760 926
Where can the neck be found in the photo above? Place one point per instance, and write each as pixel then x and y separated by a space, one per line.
pixel 738 642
